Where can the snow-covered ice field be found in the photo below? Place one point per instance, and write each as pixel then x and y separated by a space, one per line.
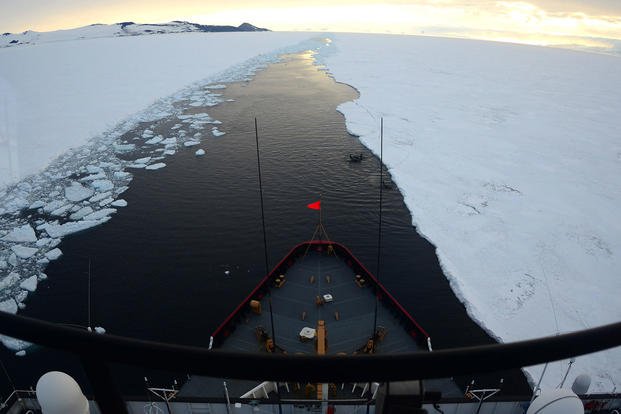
pixel 57 95
pixel 508 157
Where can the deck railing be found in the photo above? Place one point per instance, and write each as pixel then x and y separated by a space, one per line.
pixel 97 352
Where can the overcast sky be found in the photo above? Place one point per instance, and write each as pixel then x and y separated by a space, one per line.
pixel 531 21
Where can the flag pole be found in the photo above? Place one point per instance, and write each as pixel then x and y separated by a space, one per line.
pixel 320 224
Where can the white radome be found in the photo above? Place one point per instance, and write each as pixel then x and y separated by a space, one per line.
pixel 558 401
pixel 58 393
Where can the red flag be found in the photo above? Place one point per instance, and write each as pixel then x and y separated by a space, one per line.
pixel 315 206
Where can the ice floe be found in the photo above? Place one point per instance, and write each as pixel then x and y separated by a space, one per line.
pixel 103 185
pixel 29 284
pixel 81 213
pixel 155 140
pixel 200 152
pixel 21 234
pixel 53 254
pixel 24 252
pixel 155 166
pixel 216 132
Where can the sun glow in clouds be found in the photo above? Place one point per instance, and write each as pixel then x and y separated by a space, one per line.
pixel 514 21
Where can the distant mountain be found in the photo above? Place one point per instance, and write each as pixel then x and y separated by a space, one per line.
pixel 117 30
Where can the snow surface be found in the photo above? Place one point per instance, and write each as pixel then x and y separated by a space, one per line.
pixel 509 159
pixel 52 101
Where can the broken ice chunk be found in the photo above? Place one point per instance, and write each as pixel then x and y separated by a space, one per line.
pixel 21 234
pixel 81 213
pixel 155 166
pixel 216 132
pixel 29 284
pixel 54 254
pixel 24 252
pixel 155 140
pixel 102 185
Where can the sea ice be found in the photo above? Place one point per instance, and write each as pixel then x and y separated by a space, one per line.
pixel 7 282
pixel 53 205
pixel 121 175
pixel 61 230
pixel 81 213
pixel 61 211
pixel 508 165
pixel 21 353
pixel 102 185
pixel 42 242
pixel 106 201
pixel 155 166
pixel 54 254
pixel 98 215
pixel 155 140
pixel 93 169
pixel 123 147
pixel 21 234
pixel 190 143
pixel 99 197
pixel 24 252
pixel 29 284
pixel 216 132
pixel 144 160
pixel 200 152
pixel 37 204
pixel 93 177
pixel 8 306
pixel 119 203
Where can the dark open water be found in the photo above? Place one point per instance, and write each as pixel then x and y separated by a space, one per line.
pixel 158 265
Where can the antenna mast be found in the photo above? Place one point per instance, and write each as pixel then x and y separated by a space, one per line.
pixel 379 230
pixel 267 270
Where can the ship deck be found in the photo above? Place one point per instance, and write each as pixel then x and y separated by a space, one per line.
pixel 294 308
pixel 349 318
